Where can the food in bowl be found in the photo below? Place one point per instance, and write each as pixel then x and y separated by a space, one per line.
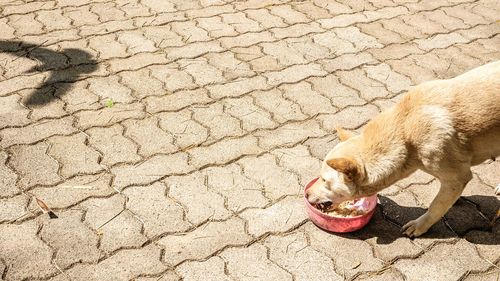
pixel 343 210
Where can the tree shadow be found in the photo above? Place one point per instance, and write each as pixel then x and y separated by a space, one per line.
pixel 466 219
pixel 65 66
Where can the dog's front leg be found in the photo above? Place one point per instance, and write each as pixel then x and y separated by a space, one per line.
pixel 448 194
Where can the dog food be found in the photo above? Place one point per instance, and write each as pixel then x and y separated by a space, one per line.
pixel 344 209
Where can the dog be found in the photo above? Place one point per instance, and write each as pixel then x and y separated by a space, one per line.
pixel 442 127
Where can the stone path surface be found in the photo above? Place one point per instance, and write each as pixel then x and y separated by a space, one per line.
pixel 173 138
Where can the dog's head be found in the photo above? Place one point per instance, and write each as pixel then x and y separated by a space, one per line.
pixel 339 173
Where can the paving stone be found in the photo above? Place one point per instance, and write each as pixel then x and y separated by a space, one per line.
pixel 283 52
pixel 485 242
pixel 77 96
pixel 240 22
pixel 141 131
pixel 7 178
pixel 109 115
pixel 238 87
pixel 166 276
pixel 136 42
pixel 194 50
pixel 34 166
pixel 252 117
pixel 28 259
pixel 389 274
pixel 75 190
pixel 265 63
pixel 224 151
pixel 110 88
pixel 464 13
pixel 310 102
pixel 368 88
pixel 42 104
pixel 73 155
pixel 113 145
pixel 231 67
pixel 331 40
pixel 139 262
pixel 311 10
pixel 211 269
pixel 277 181
pixel 265 18
pixel 403 207
pixel 319 147
pixel 293 253
pixel 385 13
pixel 410 69
pixel 216 28
pixel 200 202
pixel 457 68
pixel 488 172
pixel 441 41
pixel 387 240
pixel 108 47
pixel 162 36
pixel 202 72
pixel 246 39
pixel 280 217
pixel 117 227
pixel 299 161
pixel 419 177
pixel 436 264
pixel 252 264
pixel 150 170
pixel 160 215
pixel 247 53
pixel 74 242
pixel 36 131
pixel 176 101
pixel 339 249
pixel 13 208
pixel 488 276
pixel 186 132
pixel 395 82
pixel 343 20
pixel 136 62
pixel 190 32
pixel 339 95
pixel 350 118
pixel 282 110
pixel 383 35
pixel 308 48
pixel 203 241
pixel 219 123
pixel 12 113
pixel 141 83
pixel 296 30
pixel 289 134
pixel 238 191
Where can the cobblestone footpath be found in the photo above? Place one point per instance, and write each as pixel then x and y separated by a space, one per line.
pixel 173 138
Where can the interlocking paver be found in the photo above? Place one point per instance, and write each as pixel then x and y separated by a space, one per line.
pixel 251 263
pixel 436 263
pixel 73 240
pixel 117 228
pixel 200 202
pixel 74 190
pixel 160 214
pixel 28 259
pixel 174 138
pixel 204 241
pixel 75 157
pixel 34 166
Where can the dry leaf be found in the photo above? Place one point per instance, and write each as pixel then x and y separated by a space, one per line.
pixel 45 208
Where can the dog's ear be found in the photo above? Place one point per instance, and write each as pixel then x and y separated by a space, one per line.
pixel 347 166
pixel 343 134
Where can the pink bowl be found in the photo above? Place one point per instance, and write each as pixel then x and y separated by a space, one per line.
pixel 342 224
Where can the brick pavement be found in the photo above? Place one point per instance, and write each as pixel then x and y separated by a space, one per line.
pixel 173 138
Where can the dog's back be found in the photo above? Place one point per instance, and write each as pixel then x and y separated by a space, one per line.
pixel 465 109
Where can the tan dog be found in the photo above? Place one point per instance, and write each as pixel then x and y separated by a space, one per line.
pixel 442 127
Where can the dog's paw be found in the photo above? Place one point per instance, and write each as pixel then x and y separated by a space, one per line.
pixel 416 227
pixel 497 189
